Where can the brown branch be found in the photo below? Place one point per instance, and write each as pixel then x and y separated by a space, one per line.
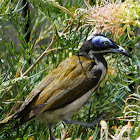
pixel 40 58
pixel 31 67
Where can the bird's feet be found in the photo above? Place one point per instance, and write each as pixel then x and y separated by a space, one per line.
pixel 89 125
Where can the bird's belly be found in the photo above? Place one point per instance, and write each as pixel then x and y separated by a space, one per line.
pixel 67 111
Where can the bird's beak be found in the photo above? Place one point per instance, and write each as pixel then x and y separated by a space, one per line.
pixel 121 50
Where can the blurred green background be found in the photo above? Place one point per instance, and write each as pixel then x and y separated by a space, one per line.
pixel 27 28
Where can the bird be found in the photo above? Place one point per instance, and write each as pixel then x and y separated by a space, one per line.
pixel 68 86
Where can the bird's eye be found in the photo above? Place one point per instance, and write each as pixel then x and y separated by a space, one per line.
pixel 105 43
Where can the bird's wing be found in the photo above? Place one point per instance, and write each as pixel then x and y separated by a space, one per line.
pixel 66 83
pixel 73 80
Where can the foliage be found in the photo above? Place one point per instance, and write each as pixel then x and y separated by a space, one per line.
pixel 56 32
pixel 109 15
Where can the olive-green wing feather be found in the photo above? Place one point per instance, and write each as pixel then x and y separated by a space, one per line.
pixel 71 83
pixel 70 80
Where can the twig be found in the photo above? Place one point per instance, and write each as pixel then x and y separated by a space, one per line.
pixel 38 60
pixel 63 8
pixel 31 67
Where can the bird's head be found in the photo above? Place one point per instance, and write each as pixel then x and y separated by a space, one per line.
pixel 99 45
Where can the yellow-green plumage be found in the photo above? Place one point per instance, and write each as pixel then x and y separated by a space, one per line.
pixel 71 79
pixel 68 87
pixel 65 82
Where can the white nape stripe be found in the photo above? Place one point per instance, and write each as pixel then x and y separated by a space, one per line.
pixel 90 37
pixel 102 51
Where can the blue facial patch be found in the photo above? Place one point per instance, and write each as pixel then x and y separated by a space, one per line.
pixel 101 41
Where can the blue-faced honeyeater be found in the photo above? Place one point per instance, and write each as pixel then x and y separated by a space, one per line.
pixel 69 86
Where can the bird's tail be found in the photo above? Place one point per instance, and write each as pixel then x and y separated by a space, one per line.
pixel 15 120
pixel 6 121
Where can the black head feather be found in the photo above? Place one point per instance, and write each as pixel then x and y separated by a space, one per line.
pixel 100 45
